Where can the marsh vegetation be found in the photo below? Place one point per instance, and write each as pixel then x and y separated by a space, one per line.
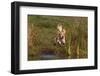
pixel 42 32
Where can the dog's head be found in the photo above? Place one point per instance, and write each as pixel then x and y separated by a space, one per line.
pixel 63 31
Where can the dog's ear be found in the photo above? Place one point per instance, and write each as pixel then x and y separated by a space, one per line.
pixel 59 27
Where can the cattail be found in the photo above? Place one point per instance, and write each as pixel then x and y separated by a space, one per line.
pixel 69 45
pixel 77 51
pixel 69 50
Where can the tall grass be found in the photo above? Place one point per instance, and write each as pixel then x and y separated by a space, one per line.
pixel 42 31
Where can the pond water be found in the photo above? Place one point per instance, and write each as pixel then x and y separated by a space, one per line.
pixel 48 57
